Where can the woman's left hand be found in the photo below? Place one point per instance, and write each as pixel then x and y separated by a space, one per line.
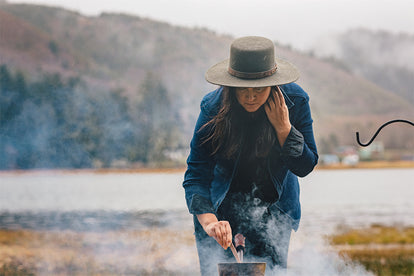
pixel 278 114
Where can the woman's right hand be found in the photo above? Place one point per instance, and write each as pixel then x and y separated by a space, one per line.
pixel 219 230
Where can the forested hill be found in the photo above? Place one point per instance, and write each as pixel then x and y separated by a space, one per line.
pixel 382 57
pixel 118 89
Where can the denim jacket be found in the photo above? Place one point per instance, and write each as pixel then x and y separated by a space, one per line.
pixel 208 177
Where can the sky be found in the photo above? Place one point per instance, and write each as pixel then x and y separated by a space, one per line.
pixel 299 23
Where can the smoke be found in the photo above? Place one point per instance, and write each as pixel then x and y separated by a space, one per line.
pixel 152 243
pixel 305 252
pixel 316 258
pixel 363 46
pixel 309 254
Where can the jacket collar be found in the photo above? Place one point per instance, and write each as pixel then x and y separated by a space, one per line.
pixel 288 101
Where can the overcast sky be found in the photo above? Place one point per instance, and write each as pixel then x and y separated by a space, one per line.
pixel 299 23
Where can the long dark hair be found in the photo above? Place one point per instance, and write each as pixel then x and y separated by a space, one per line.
pixel 229 127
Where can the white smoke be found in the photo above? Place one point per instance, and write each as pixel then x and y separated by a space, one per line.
pixel 311 255
pixel 315 259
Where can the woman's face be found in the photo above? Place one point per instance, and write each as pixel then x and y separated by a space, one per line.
pixel 252 98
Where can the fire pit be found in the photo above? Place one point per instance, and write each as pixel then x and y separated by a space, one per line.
pixel 241 269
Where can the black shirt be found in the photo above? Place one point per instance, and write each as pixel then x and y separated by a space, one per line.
pixel 252 175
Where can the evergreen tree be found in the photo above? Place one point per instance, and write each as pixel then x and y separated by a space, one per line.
pixel 156 120
pixel 13 92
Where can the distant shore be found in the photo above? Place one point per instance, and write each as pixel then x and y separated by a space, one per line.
pixel 399 164
pixel 361 165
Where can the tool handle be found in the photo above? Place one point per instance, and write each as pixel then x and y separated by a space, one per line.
pixel 239 240
pixel 233 250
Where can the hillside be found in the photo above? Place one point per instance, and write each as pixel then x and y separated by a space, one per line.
pixel 120 49
pixel 25 46
pixel 116 51
pixel 380 56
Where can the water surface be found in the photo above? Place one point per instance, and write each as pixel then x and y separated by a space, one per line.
pixel 104 201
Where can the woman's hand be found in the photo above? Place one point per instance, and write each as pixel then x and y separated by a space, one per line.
pixel 278 114
pixel 219 230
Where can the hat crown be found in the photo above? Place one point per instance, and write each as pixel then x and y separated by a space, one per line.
pixel 252 54
pixel 252 63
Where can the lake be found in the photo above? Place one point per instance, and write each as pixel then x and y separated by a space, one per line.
pixel 329 198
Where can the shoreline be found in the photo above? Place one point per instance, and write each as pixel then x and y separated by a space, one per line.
pixel 399 164
pixel 361 165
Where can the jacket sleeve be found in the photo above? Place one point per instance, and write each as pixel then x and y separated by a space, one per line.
pixel 299 151
pixel 199 173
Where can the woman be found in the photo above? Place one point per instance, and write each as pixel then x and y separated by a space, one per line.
pixel 252 139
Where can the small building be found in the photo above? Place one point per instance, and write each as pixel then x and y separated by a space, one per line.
pixel 329 159
pixel 348 155
pixel 375 151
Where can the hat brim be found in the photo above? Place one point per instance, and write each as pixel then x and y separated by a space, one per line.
pixel 285 73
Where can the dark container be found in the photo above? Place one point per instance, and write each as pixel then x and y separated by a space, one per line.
pixel 241 269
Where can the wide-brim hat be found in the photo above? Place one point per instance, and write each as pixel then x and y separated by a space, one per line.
pixel 252 63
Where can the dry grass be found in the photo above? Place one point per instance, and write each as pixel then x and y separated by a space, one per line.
pixel 376 234
pixel 384 260
pixel 383 250
pixel 150 252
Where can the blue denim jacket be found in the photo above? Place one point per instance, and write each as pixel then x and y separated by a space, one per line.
pixel 208 178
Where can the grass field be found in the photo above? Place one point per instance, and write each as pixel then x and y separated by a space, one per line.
pixel 148 252
pixel 383 250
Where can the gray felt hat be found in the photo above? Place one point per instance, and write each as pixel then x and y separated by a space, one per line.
pixel 252 63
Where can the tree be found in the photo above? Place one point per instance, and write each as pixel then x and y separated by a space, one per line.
pixel 156 120
pixel 13 92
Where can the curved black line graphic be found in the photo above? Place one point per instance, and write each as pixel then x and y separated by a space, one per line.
pixel 378 131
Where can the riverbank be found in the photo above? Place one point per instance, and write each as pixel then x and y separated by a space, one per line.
pixel 383 250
